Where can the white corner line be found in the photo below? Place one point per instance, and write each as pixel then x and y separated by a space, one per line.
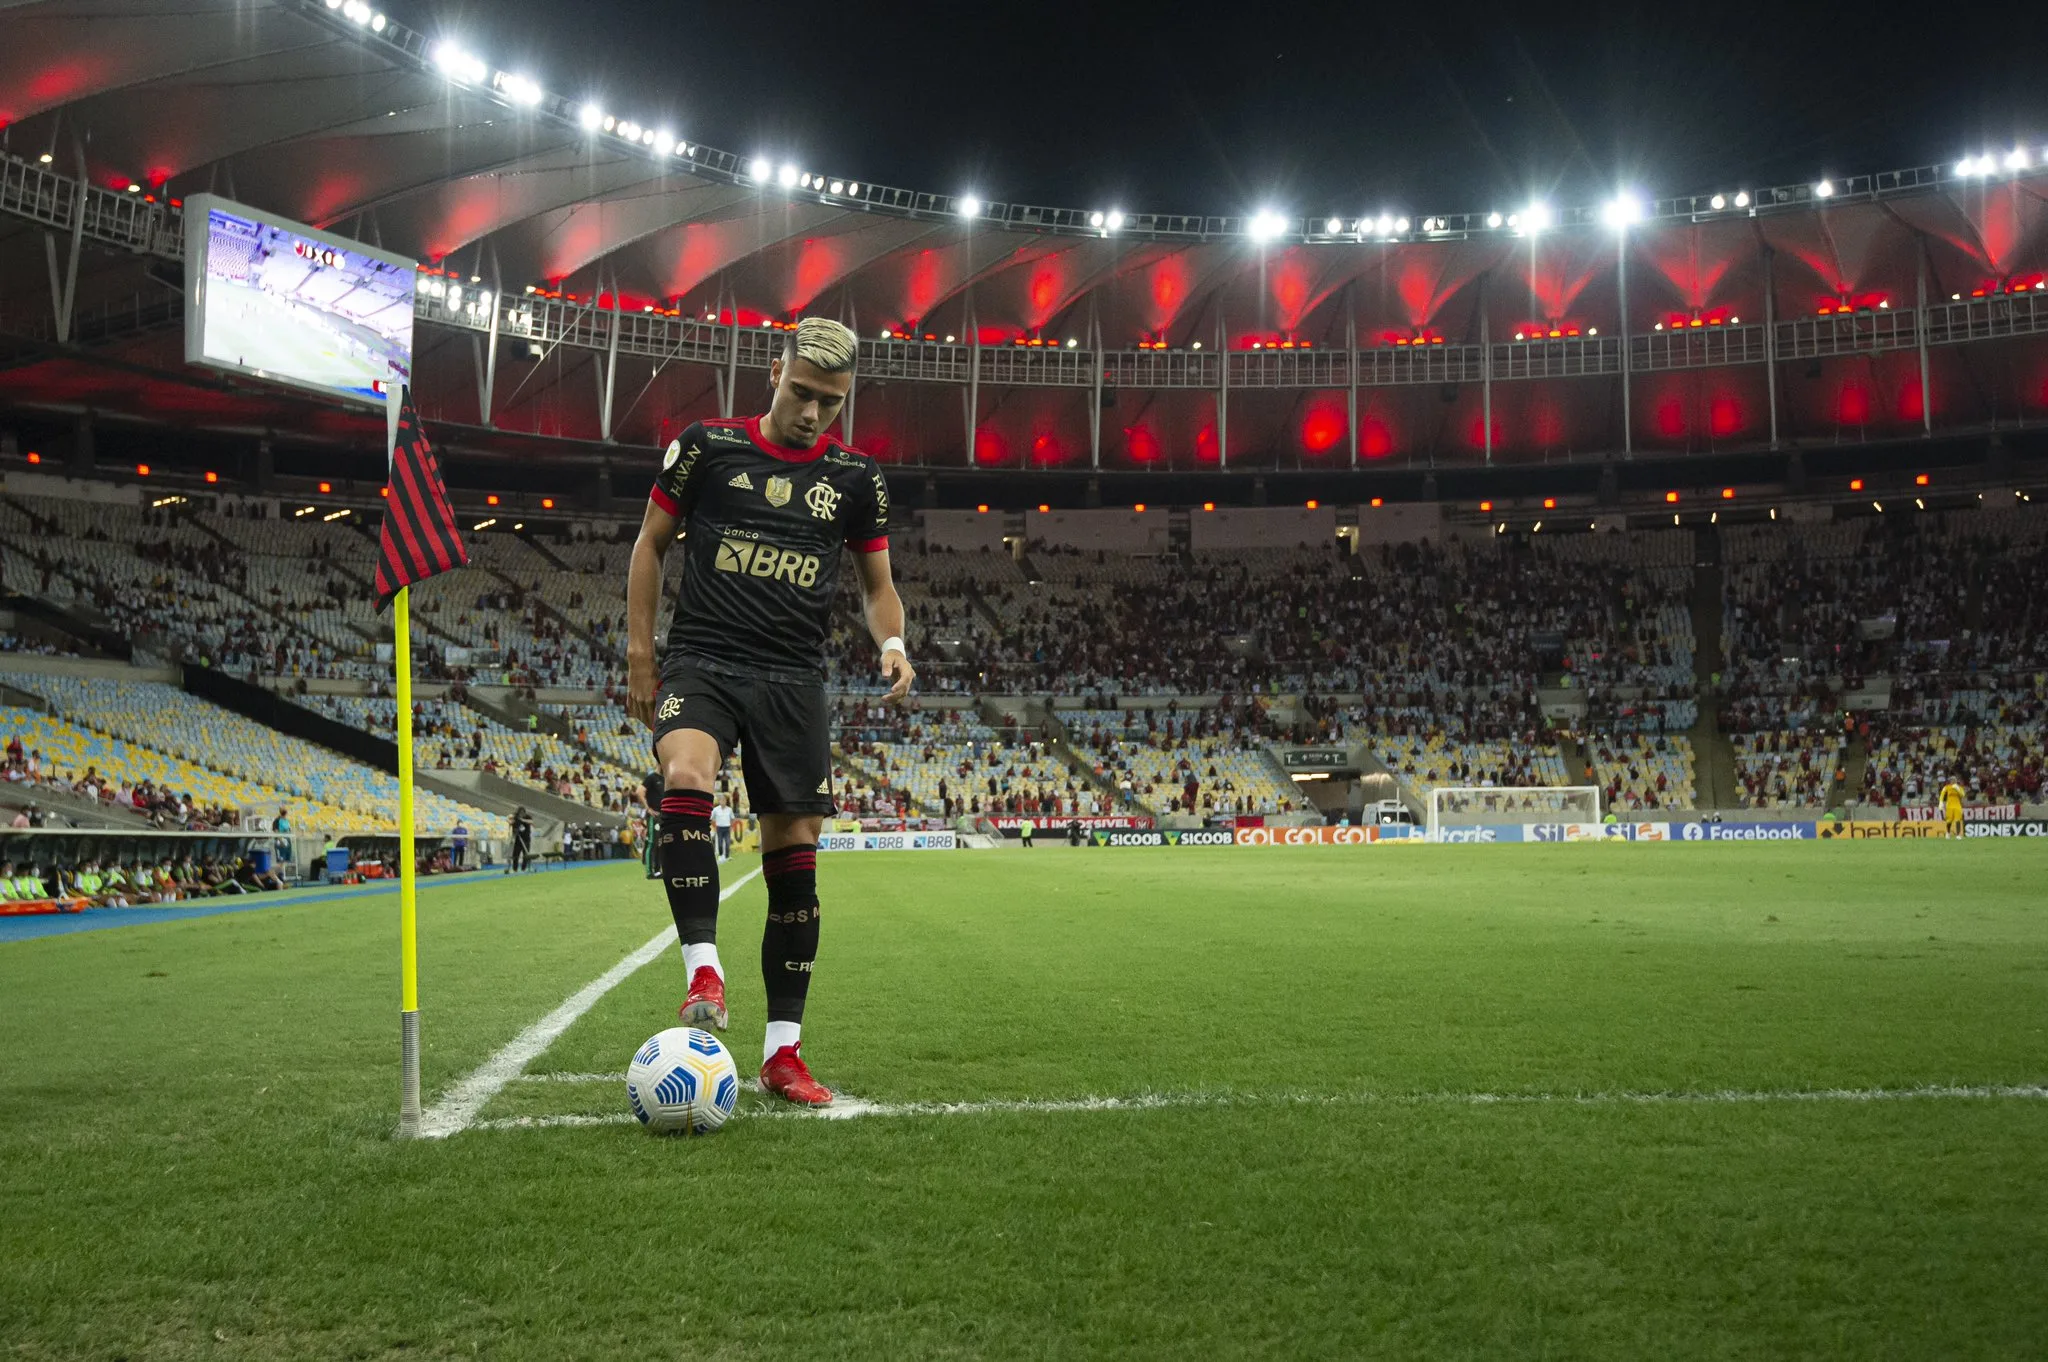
pixel 456 1109
pixel 850 1108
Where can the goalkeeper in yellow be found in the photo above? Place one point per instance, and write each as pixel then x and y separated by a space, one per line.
pixel 1951 802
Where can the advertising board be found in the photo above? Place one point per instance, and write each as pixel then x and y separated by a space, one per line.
pixel 887 841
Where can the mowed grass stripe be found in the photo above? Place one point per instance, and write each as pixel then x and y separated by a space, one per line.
pixel 195 1157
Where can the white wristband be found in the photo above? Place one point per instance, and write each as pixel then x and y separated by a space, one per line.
pixel 894 644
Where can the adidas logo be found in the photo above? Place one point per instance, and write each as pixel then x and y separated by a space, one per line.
pixel 741 481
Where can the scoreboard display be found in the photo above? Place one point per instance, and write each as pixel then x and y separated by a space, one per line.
pixel 277 300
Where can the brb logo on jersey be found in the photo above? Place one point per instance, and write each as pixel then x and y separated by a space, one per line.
pixel 752 559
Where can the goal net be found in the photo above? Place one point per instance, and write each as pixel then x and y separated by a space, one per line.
pixel 1455 806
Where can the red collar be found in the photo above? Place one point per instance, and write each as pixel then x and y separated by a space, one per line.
pixel 783 452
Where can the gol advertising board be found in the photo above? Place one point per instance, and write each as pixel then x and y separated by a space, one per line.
pixel 887 841
pixel 1324 836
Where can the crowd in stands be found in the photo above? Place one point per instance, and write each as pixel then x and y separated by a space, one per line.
pixel 1921 640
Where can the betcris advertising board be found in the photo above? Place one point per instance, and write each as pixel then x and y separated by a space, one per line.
pixel 887 841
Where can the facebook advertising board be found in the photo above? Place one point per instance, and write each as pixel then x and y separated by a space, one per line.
pixel 281 301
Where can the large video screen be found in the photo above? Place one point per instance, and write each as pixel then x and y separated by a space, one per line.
pixel 282 301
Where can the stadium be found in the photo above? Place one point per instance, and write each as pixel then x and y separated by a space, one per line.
pixel 1296 908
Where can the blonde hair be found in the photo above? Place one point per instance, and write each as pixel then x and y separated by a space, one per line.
pixel 825 343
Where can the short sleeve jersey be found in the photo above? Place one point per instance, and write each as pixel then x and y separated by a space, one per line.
pixel 763 528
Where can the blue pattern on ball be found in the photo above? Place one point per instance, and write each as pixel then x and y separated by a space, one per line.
pixel 727 1094
pixel 704 1043
pixel 649 1052
pixel 678 1088
pixel 633 1096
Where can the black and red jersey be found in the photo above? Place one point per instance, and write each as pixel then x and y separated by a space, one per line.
pixel 763 526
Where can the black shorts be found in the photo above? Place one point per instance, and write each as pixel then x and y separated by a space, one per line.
pixel 783 731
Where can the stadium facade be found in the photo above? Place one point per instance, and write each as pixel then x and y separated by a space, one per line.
pixel 589 282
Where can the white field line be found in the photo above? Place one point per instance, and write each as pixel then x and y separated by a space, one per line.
pixel 457 1108
pixel 847 1108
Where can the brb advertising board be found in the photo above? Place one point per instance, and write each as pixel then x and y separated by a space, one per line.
pixel 887 841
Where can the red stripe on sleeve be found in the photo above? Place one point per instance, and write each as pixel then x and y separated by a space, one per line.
pixel 661 498
pixel 876 545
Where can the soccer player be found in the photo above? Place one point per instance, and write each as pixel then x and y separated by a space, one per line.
pixel 1951 801
pixel 766 504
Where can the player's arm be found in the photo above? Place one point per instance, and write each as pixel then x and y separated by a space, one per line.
pixel 643 599
pixel 669 503
pixel 884 611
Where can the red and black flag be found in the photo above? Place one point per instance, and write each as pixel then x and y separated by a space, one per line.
pixel 420 539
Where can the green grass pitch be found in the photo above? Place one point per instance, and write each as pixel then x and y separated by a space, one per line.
pixel 196 1152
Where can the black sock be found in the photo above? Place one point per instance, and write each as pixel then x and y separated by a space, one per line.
pixel 790 944
pixel 688 866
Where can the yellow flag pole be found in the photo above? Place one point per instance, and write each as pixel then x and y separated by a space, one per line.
pixel 408 875
pixel 408 866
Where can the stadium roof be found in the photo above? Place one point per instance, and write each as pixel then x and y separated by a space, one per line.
pixel 328 114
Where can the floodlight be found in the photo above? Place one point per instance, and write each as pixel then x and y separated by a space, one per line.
pixel 1400 224
pixel 1334 225
pixel 760 169
pixel 1718 202
pixel 1622 210
pixel 1824 190
pixel 377 22
pixel 334 4
pixel 629 130
pixel 457 64
pixel 663 143
pixel 1095 219
pixel 853 187
pixel 1116 219
pixel 1742 198
pixel 610 123
pixel 1536 218
pixel 454 296
pixel 1265 225
pixel 45 158
pixel 2016 159
pixel 1384 225
pixel 1071 342
pixel 968 206
pixel 591 117
pixel 838 186
pixel 1493 219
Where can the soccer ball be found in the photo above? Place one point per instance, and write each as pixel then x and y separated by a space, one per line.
pixel 682 1081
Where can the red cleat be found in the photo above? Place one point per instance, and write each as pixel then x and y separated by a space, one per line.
pixel 786 1076
pixel 706 1004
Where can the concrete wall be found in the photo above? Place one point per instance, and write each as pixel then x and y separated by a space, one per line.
pixel 1111 531
pixel 965 531
pixel 1400 523
pixel 1262 527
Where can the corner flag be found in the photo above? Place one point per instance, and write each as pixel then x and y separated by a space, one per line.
pixel 419 540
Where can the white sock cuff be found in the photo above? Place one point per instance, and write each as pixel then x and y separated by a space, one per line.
pixel 699 954
pixel 779 1035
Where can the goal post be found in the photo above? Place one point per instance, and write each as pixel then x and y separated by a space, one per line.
pixel 1452 806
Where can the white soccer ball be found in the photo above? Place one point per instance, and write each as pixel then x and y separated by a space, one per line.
pixel 682 1081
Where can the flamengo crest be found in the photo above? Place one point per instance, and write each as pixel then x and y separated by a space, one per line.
pixel 823 500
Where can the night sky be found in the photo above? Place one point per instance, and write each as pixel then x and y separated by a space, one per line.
pixel 1307 108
